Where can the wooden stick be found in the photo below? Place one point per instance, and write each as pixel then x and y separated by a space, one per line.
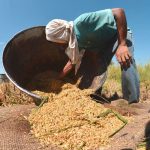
pixel 120 117
pixel 44 100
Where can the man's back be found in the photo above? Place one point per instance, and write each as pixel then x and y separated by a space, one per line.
pixel 95 30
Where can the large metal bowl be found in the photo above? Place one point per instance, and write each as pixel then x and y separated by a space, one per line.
pixel 29 53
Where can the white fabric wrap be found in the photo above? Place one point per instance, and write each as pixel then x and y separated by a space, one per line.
pixel 61 31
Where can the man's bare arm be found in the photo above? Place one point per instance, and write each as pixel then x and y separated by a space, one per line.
pixel 68 67
pixel 122 53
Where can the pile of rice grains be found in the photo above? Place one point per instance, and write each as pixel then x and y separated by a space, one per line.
pixel 70 119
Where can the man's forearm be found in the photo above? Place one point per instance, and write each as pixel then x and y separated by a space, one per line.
pixel 68 67
pixel 121 22
pixel 122 53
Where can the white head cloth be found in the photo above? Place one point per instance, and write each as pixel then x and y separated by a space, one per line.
pixel 61 31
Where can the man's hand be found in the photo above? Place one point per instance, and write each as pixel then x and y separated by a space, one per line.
pixel 123 55
pixel 68 67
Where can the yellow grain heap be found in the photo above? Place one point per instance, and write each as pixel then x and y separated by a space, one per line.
pixel 71 120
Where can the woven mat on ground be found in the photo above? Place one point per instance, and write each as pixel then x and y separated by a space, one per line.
pixel 15 130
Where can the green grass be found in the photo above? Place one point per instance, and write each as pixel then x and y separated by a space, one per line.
pixel 114 72
pixel 113 82
pixel 144 72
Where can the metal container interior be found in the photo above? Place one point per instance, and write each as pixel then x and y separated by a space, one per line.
pixel 29 53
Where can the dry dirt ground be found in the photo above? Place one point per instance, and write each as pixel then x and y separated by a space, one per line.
pixel 136 130
pixel 15 129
